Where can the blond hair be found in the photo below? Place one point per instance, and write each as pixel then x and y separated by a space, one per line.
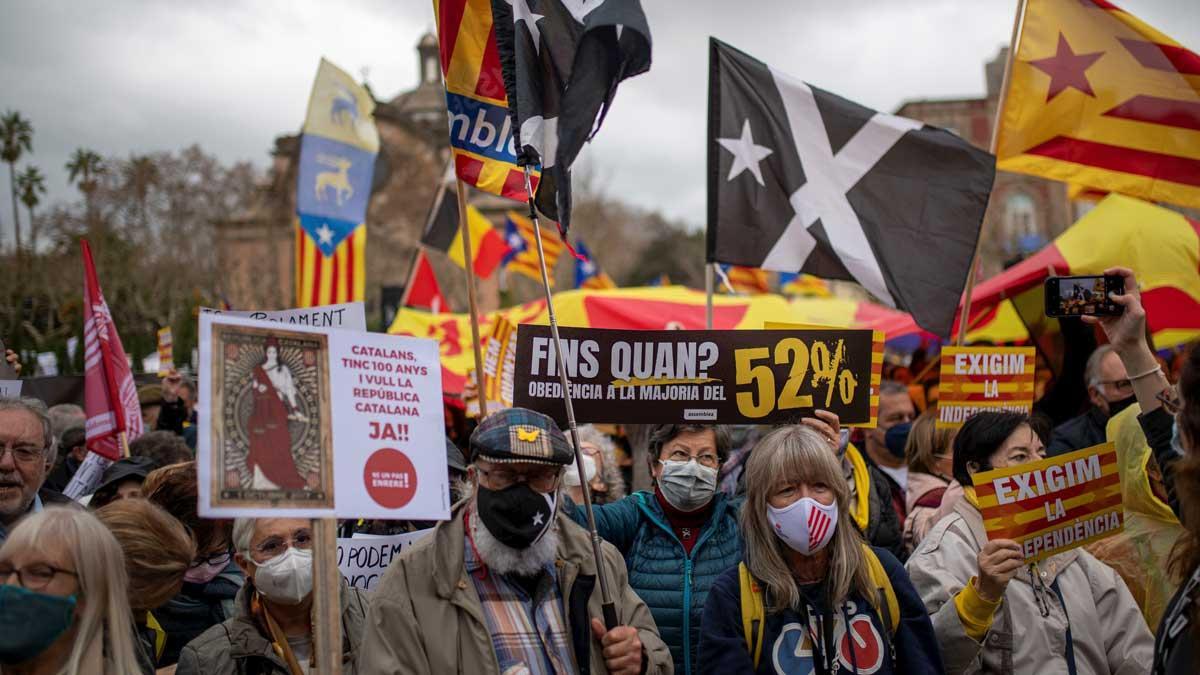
pixel 925 442
pixel 104 624
pixel 790 455
pixel 158 550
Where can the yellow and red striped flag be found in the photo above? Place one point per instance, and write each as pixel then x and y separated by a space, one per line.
pixel 481 134
pixel 522 256
pixel 337 163
pixel 751 280
pixel 1101 99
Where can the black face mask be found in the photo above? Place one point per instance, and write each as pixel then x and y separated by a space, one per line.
pixel 517 515
pixel 1118 405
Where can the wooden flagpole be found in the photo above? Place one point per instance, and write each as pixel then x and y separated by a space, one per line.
pixel 1018 21
pixel 327 602
pixel 472 304
pixel 606 601
pixel 124 444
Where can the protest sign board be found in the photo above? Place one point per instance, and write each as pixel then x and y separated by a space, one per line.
pixel 363 559
pixel 499 362
pixel 166 352
pixel 348 315
pixel 1055 504
pixel 716 376
pixel 304 422
pixel 975 379
pixel 10 388
pixel 87 477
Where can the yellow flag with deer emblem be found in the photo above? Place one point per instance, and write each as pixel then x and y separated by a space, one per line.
pixel 337 164
pixel 1097 98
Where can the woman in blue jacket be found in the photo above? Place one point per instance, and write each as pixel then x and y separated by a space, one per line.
pixel 812 596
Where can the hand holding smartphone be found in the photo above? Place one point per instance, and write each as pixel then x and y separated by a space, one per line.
pixel 1083 295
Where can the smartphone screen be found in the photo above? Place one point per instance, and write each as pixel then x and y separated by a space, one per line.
pixel 1083 296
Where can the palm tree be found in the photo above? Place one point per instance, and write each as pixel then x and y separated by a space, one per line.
pixel 85 169
pixel 31 185
pixel 16 138
pixel 141 173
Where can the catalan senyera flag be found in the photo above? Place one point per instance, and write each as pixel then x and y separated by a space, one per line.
pixel 749 280
pixel 337 163
pixel 481 133
pixel 804 285
pixel 1099 98
pixel 522 257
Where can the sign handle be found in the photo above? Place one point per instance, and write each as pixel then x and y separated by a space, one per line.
pixel 472 303
pixel 327 604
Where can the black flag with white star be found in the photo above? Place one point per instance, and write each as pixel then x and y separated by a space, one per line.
pixel 562 61
pixel 802 180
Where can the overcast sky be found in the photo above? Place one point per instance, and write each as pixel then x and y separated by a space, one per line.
pixel 123 76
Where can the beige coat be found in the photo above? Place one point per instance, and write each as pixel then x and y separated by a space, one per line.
pixel 425 615
pixel 920 519
pixel 1108 632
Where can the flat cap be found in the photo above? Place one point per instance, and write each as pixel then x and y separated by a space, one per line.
pixel 520 435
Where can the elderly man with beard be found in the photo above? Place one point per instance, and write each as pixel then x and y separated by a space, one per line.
pixel 26 455
pixel 508 585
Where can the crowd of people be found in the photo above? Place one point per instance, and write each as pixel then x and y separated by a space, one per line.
pixel 798 549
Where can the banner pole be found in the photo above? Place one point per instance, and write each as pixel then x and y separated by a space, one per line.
pixel 327 604
pixel 708 295
pixel 124 444
pixel 610 610
pixel 1018 20
pixel 412 274
pixel 471 301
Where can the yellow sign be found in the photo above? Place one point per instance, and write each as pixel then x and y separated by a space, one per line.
pixel 975 379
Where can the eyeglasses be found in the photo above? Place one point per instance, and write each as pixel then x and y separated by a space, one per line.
pixel 1122 385
pixel 542 479
pixel 25 454
pixel 35 577
pixel 707 459
pixel 276 545
pixel 221 558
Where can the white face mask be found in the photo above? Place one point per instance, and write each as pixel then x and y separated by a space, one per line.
pixel 806 525
pixel 687 485
pixel 571 476
pixel 287 578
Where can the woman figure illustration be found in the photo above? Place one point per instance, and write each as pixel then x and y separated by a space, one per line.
pixel 270 457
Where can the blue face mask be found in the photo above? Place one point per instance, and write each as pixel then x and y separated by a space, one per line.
pixel 30 622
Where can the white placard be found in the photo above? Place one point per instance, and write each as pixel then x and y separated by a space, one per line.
pixel 151 363
pixel 386 426
pixel 364 558
pixel 10 388
pixel 348 315
pixel 47 363
pixel 88 476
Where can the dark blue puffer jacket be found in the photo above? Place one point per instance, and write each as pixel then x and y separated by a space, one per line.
pixel 659 572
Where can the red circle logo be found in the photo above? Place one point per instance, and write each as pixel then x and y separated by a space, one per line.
pixel 390 478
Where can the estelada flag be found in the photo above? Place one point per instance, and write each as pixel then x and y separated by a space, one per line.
pixel 424 290
pixel 481 133
pixel 444 233
pixel 587 273
pixel 1099 98
pixel 333 188
pixel 522 256
pixel 749 280
pixel 110 397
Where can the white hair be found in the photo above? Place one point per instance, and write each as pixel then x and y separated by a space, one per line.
pixel 504 559
pixel 611 471
pixel 243 534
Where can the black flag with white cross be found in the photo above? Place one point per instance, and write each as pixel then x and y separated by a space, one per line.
pixel 802 180
pixel 562 61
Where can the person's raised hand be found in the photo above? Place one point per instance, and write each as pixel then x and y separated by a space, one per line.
pixel 828 425
pixel 171 384
pixel 999 560
pixel 622 648
pixel 1126 332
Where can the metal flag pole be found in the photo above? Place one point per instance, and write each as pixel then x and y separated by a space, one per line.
pixel 469 266
pixel 610 610
pixel 708 293
pixel 1018 20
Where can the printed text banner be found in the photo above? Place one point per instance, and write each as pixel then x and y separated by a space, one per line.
pixel 978 379
pixel 1055 504
pixel 364 558
pixel 715 376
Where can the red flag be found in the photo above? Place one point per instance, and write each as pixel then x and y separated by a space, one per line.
pixel 110 396
pixel 423 288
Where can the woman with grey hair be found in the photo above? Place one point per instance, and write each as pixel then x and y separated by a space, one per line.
pixel 808 579
pixel 600 463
